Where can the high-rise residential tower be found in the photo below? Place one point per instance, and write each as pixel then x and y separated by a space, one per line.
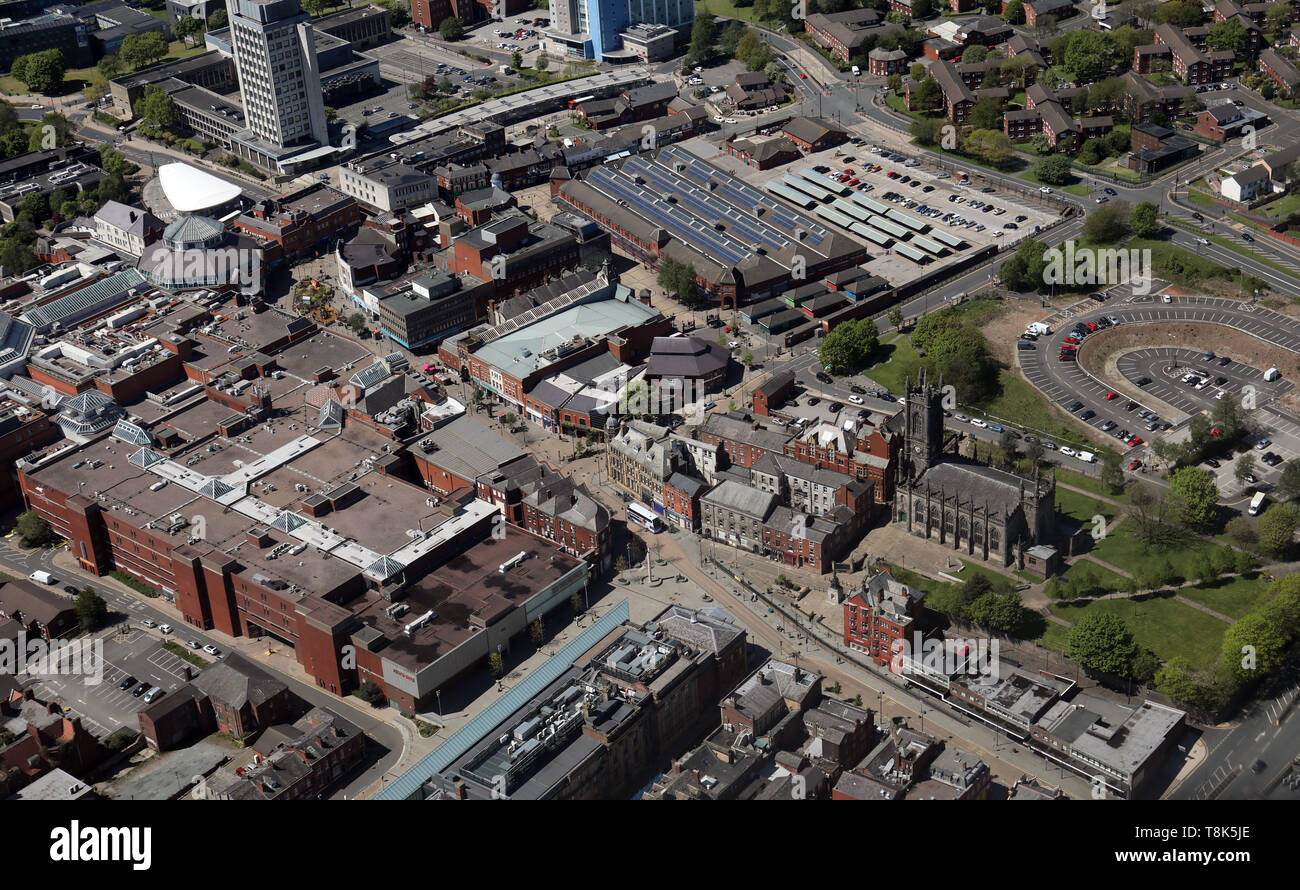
pixel 274 48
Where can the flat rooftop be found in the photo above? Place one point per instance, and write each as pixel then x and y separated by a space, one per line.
pixel 467 593
pixel 522 352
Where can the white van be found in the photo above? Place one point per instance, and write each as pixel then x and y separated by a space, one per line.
pixel 42 577
pixel 1256 503
pixel 856 70
pixel 1087 457
pixel 1272 374
pixel 1038 327
pixel 153 694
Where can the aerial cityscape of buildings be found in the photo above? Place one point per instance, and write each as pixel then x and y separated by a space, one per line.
pixel 474 401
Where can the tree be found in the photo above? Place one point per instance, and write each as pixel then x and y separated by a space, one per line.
pixel 896 318
pixel 1244 469
pixel 1009 445
pixel 991 146
pixel 974 53
pixel 1254 633
pixel 33 530
pixel 450 28
pixel 1240 530
pixel 926 95
pixel 314 8
pixel 1112 473
pixel 543 62
pixel 399 12
pixel 156 108
pixel 1145 219
pixel 537 632
pixel 1278 19
pixel 1194 497
pixel 1088 56
pixel 1178 680
pixel 496 664
pixel 998 611
pixel 109 66
pixel 747 359
pixel 138 50
pixel 92 611
pixel 42 71
pixel 1288 484
pixel 1229 35
pixel 1101 641
pixel 217 20
pixel 922 9
pixel 1015 12
pixel 1053 170
pixel 187 26
pixel 1151 518
pixel 1276 530
pixel 370 693
pixel 847 348
pixel 1108 224
pixel 357 322
pixel 701 45
pixel 986 113
pixel 575 602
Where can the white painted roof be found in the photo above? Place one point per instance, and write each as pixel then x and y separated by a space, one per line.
pixel 189 189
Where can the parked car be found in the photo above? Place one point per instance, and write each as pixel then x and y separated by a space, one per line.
pixel 165 628
pixel 127 682
pixel 149 622
pixel 140 689
pixel 212 650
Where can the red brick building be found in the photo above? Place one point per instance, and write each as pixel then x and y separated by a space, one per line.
pixel 880 616
pixel 773 393
pixel 682 500
pixel 303 223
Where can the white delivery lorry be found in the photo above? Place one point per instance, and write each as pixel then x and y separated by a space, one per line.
pixel 1257 503
pixel 1038 327
pixel 1087 457
pixel 1272 374
pixel 42 577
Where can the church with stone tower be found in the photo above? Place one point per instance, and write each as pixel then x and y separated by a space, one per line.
pixel 976 509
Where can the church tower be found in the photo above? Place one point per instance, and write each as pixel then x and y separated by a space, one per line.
pixel 922 427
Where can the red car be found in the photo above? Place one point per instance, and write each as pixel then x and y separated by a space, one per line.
pixel 803 76
pixel 848 171
pixel 1074 341
pixel 1110 395
pixel 1134 464
pixel 1092 326
pixel 1067 357
pixel 1067 349
pixel 854 181
pixel 1135 441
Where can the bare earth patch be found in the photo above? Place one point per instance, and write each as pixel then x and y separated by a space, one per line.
pixel 1005 329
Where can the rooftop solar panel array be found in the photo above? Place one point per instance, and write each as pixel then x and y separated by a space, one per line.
pixel 848 208
pixel 707 206
pixel 817 179
pixel 910 252
pixel 870 203
pixel 803 185
pixel 742 194
pixel 912 222
pixel 889 226
pixel 945 238
pixel 834 216
pixel 689 229
pixel 929 246
pixel 789 194
pixel 875 236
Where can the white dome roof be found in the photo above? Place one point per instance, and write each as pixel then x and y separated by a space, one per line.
pixel 190 189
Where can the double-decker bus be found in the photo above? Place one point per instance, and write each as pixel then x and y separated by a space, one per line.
pixel 644 517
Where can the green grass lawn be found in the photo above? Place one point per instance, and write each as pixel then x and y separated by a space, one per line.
pixel 1096 486
pixel 1284 206
pixel 1163 625
pixel 1199 198
pixel 1104 580
pixel 896 360
pixel 1233 597
pixel 1054 637
pixel 725 7
pixel 1120 548
pixel 1025 406
pixel 1081 508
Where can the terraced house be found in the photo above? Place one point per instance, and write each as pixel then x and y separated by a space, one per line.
pixel 1280 70
pixel 842 33
pixel 1187 55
